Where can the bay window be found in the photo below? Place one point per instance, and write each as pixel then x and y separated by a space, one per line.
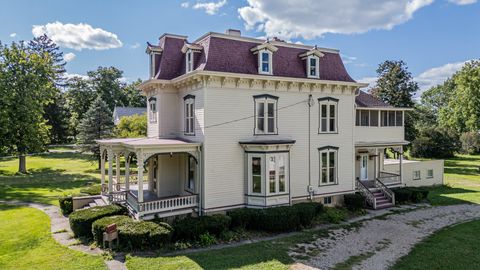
pixel 267 173
pixel 265 114
pixel 189 114
pixel 328 165
pixel 328 115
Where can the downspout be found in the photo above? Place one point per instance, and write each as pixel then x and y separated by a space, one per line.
pixel 310 187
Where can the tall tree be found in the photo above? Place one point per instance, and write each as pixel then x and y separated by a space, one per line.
pixel 96 124
pixel 134 126
pixel 57 116
pixel 396 87
pixel 107 83
pixel 79 96
pixel 27 83
pixel 133 95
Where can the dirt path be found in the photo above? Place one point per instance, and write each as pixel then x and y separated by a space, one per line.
pixel 62 233
pixel 378 243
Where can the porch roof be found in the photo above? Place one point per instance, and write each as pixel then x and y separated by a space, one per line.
pixel 380 144
pixel 164 144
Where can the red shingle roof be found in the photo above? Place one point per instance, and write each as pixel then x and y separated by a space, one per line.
pixel 233 55
pixel 366 100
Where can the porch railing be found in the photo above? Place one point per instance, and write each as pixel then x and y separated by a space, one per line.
pixel 389 178
pixel 388 193
pixel 365 191
pixel 161 205
pixel 117 197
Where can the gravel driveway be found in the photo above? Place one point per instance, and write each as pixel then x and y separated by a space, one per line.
pixel 379 242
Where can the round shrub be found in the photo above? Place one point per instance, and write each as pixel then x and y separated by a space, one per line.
pixel 138 235
pixel 99 226
pixel 81 220
pixel 306 212
pixel 66 204
pixel 190 228
pixel 354 202
pixel 402 195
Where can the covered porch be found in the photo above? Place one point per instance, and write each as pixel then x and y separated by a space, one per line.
pixel 152 177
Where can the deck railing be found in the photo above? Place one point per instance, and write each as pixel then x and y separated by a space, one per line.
pixel 117 197
pixel 389 178
pixel 163 205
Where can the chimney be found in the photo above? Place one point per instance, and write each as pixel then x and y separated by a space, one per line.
pixel 233 32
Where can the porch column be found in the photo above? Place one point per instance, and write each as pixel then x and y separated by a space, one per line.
pixel 117 168
pixel 127 171
pixel 140 177
pixel 102 169
pixel 110 170
pixel 376 165
pixel 400 153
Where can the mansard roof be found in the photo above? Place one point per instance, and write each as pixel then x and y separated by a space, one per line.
pixel 232 54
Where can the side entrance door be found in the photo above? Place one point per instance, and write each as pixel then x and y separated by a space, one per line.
pixel 364 167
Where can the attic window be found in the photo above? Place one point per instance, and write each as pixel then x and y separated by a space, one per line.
pixel 189 49
pixel 312 60
pixel 265 57
pixel 152 52
pixel 189 61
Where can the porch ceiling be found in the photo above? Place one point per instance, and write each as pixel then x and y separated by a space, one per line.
pixel 380 144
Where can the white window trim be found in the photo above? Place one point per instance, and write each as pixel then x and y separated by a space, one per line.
pixel 189 65
pixel 265 101
pixel 270 62
pixel 419 175
pixel 152 65
pixel 152 114
pixel 328 118
pixel 265 181
pixel 328 151
pixel 381 124
pixel 430 176
pixel 317 60
pixel 189 103
pixel 328 198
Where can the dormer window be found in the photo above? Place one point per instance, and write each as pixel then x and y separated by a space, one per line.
pixel 189 61
pixel 153 52
pixel 312 59
pixel 312 66
pixel 265 57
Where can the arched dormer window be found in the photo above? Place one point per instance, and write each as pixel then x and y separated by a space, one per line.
pixel 189 50
pixel 265 57
pixel 153 53
pixel 312 58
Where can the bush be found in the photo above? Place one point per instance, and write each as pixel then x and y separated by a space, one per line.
pixel 412 194
pixel 402 195
pixel 334 215
pixel 354 202
pixel 470 142
pixel 306 212
pixel 191 228
pixel 138 235
pixel 92 190
pixel 81 220
pixel 99 226
pixel 418 194
pixel 241 218
pixel 279 219
pixel 434 143
pixel 207 239
pixel 66 204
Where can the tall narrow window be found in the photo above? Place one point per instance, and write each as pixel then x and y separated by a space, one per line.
pixel 189 104
pixel 312 67
pixel 328 165
pixel 152 106
pixel 256 171
pixel 265 114
pixel 189 61
pixel 272 174
pixel 265 62
pixel 328 115
pixel 399 118
pixel 192 164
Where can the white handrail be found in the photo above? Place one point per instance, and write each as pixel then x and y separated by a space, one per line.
pixel 169 204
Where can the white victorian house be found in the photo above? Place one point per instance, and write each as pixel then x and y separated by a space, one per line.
pixel 237 122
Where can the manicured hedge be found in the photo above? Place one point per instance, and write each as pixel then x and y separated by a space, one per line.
pixel 132 234
pixel 279 219
pixel 354 202
pixel 306 213
pixel 410 194
pixel 92 190
pixel 81 220
pixel 190 228
pixel 66 204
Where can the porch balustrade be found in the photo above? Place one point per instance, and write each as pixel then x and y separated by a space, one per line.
pixel 162 205
pixel 389 178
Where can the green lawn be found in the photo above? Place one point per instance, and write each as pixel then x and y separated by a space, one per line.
pixel 26 243
pixel 50 176
pixel 462 179
pixel 455 247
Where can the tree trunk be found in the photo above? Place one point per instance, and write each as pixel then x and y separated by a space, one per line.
pixel 22 164
pixel 99 161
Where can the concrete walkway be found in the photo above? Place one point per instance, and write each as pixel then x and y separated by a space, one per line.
pixel 379 242
pixel 62 233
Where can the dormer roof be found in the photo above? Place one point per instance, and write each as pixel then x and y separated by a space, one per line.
pixel 315 51
pixel 191 46
pixel 264 46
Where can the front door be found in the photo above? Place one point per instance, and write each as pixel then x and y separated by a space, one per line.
pixel 364 167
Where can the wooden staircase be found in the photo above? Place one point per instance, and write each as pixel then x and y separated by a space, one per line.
pixel 382 201
pixel 377 195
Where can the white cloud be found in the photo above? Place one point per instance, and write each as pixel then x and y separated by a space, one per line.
pixel 437 75
pixel 12 35
pixel 78 36
pixel 462 2
pixel 211 8
pixel 185 4
pixel 69 57
pixel 372 81
pixel 348 59
pixel 313 18
pixel 135 45
pixel 73 75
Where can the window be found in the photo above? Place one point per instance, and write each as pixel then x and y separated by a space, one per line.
pixel 265 62
pixel 391 118
pixel 430 173
pixel 192 164
pixel 366 118
pixel 273 167
pixel 328 165
pixel 152 105
pixel 312 67
pixel 327 200
pixel 152 65
pixel 189 61
pixel 265 114
pixel 189 101
pixel 416 175
pixel 328 115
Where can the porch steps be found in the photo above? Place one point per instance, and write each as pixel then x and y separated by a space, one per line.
pixel 96 202
pixel 382 201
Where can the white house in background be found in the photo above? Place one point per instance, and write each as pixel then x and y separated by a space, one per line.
pixel 238 122
pixel 119 112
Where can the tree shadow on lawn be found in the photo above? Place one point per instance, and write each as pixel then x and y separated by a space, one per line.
pixel 463 170
pixel 439 195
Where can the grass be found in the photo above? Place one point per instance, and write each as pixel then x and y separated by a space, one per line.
pixel 451 248
pixel 49 176
pixel 26 243
pixel 462 179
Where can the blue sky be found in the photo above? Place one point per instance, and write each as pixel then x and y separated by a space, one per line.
pixel 434 37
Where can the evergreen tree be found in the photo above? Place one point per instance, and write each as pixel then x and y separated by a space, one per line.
pixel 96 124
pixel 133 96
pixel 78 97
pixel 105 81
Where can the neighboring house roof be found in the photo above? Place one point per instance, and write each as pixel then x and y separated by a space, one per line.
pixel 119 112
pixel 367 100
pixel 224 53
